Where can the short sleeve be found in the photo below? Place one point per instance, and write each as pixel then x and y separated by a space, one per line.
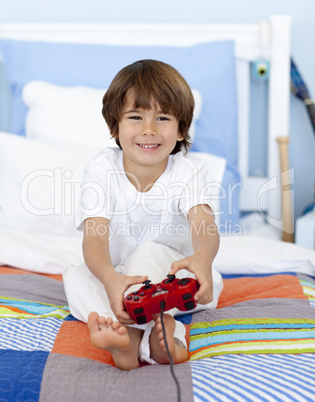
pixel 95 199
pixel 196 189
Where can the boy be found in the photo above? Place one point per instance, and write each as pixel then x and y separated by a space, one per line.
pixel 143 216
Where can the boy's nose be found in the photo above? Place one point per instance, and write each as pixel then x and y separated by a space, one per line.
pixel 148 130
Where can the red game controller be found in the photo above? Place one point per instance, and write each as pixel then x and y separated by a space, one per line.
pixel 144 303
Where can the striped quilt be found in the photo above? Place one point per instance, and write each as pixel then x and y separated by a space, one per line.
pixel 258 345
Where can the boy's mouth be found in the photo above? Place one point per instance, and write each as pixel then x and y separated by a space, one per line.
pixel 148 146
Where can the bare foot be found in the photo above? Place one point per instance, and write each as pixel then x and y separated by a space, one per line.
pixel 157 344
pixel 120 341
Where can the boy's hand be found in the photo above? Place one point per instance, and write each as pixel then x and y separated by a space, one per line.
pixel 115 287
pixel 200 265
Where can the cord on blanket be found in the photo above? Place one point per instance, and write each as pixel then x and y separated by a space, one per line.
pixel 162 305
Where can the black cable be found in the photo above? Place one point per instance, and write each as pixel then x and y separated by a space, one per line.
pixel 162 305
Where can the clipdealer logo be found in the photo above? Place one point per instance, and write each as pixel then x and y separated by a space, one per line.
pixel 62 196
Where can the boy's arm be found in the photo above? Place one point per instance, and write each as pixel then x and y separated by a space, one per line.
pixel 205 241
pixel 98 260
pixel 96 248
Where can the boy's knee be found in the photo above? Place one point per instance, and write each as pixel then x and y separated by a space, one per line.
pixel 156 253
pixel 148 247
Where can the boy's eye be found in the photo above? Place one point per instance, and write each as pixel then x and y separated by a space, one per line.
pixel 163 118
pixel 135 117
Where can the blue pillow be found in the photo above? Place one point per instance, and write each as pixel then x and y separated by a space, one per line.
pixel 209 68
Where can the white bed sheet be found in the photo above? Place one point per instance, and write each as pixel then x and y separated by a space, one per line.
pixel 41 253
pixel 237 254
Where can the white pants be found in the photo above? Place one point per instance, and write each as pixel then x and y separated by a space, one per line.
pixel 85 293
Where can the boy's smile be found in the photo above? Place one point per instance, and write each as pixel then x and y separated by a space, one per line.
pixel 147 137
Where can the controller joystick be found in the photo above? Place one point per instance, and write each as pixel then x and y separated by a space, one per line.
pixel 172 292
pixel 147 284
pixel 170 278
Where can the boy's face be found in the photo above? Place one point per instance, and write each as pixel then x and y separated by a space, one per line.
pixel 147 137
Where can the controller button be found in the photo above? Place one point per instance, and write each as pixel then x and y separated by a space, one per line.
pixel 138 310
pixel 129 297
pixel 135 293
pixel 170 278
pixel 142 319
pixel 142 294
pixel 184 281
pixel 187 296
pixel 190 305
pixel 136 298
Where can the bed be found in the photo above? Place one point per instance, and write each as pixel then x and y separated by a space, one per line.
pixel 259 344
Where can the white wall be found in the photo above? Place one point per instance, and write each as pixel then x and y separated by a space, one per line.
pixel 302 146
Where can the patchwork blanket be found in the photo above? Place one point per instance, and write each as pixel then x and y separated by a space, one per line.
pixel 258 345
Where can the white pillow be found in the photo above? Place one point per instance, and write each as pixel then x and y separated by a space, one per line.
pixel 258 255
pixel 39 252
pixel 60 114
pixel 42 177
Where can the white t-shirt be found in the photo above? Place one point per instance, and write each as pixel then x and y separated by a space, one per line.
pixel 159 215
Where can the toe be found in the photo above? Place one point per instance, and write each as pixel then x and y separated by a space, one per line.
pixel 93 323
pixel 115 325
pixel 122 330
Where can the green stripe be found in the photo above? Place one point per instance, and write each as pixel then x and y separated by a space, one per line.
pixel 251 321
pixel 254 352
pixel 244 331
pixel 309 292
pixel 307 346
pixel 59 314
pixel 30 302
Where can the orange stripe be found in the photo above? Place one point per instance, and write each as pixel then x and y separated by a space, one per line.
pixel 276 286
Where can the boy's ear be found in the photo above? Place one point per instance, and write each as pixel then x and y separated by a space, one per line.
pixel 179 136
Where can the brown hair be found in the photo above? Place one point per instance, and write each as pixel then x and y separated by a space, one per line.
pixel 150 81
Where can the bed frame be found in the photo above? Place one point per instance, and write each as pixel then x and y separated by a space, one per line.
pixel 270 195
